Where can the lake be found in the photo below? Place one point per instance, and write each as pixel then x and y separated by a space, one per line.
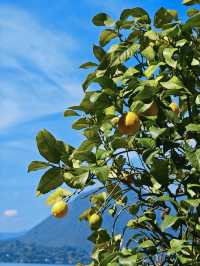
pixel 30 264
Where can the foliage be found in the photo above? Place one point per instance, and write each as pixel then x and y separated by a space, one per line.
pixel 155 173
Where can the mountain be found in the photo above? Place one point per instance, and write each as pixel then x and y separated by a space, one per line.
pixel 6 236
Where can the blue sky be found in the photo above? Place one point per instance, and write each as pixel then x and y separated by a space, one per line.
pixel 42 45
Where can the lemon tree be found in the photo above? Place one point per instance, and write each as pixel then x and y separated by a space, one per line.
pixel 141 146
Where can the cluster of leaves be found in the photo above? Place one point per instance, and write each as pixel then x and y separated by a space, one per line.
pixel 139 62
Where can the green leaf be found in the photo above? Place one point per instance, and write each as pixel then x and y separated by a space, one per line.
pixel 164 16
pixel 193 157
pixel 149 53
pixel 99 52
pixel 52 179
pixel 88 80
pixel 168 222
pixel 102 173
pixel 136 12
pixel 83 156
pixel 86 145
pixel 106 36
pixel 125 52
pixel 173 83
pixel 80 123
pixel 147 143
pixel 88 65
pixel 191 2
pixel 193 128
pixel 77 178
pixel 176 244
pixel 168 53
pixel 47 146
pixel 152 35
pixel 156 131
pixel 37 165
pixel 192 11
pixel 159 171
pixel 193 202
pixel 147 244
pixel 151 69
pixel 130 72
pixel 128 261
pixel 145 93
pixel 70 113
pixel 197 100
pixel 194 21
pixel 102 19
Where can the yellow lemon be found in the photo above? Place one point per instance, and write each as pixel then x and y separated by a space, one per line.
pixel 59 209
pixel 129 123
pixel 174 108
pixel 95 221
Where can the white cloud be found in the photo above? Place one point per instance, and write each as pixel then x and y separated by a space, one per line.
pixel 37 76
pixel 10 213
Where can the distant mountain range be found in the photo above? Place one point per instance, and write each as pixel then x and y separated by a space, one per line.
pixel 6 236
pixel 66 237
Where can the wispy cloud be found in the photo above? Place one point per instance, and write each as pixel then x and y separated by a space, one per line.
pixel 37 76
pixel 10 213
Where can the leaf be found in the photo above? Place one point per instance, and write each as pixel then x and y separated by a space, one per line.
pixel 191 2
pixel 152 35
pixel 125 52
pixel 102 19
pixel 136 12
pixel 37 165
pixel 173 83
pixel 106 36
pixel 147 244
pixel 156 131
pixel 102 173
pixel 88 65
pixel 88 80
pixel 145 93
pixel 83 156
pixel 99 52
pixel 151 69
pixel 197 100
pixel 168 222
pixel 77 178
pixel 194 21
pixel 128 261
pixel 159 170
pixel 164 16
pixel 149 53
pixel 192 11
pixel 193 128
pixel 47 146
pixel 168 53
pixel 176 244
pixel 193 157
pixel 131 71
pixel 98 199
pixel 193 202
pixel 52 179
pixel 70 113
pixel 80 124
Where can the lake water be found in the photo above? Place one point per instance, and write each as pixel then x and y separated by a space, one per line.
pixel 30 264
